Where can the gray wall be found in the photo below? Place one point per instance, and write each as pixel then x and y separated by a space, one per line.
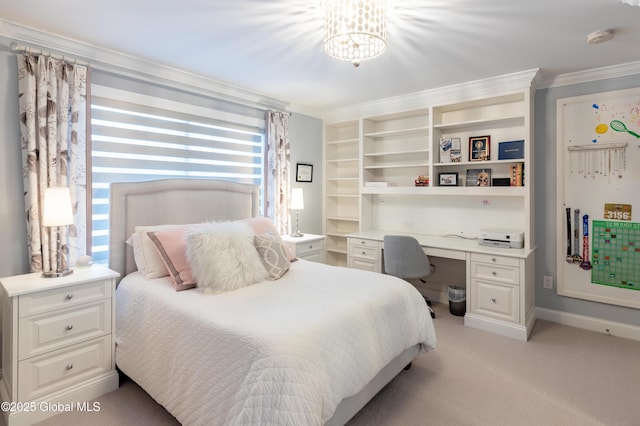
pixel 545 199
pixel 13 230
pixel 305 137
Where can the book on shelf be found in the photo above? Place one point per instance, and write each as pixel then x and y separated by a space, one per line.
pixel 517 175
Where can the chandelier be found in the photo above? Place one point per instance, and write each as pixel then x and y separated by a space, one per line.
pixel 355 30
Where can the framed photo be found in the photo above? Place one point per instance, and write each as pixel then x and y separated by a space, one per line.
pixel 479 148
pixel 448 179
pixel 478 177
pixel 304 172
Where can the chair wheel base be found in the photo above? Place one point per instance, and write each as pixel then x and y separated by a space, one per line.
pixel 433 314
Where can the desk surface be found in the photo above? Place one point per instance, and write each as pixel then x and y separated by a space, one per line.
pixel 445 243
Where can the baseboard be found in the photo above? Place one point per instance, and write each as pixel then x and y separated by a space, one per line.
pixel 589 323
pixel 514 331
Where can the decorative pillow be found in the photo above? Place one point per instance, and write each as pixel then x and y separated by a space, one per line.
pixel 171 246
pixel 222 256
pixel 273 254
pixel 265 226
pixel 147 259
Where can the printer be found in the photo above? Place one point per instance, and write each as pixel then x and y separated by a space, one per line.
pixel 506 238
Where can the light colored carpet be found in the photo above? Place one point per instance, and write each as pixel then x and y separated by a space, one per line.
pixel 561 376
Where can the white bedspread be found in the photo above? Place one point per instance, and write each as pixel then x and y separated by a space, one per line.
pixel 279 352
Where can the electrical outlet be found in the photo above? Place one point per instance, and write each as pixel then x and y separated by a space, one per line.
pixel 548 282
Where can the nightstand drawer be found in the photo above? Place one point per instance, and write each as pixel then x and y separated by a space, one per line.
pixel 47 373
pixel 307 247
pixel 43 301
pixel 49 331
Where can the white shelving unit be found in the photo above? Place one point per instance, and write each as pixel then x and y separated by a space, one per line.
pixel 398 140
pixel 341 188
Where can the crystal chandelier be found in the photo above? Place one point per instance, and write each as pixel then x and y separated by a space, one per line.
pixel 355 30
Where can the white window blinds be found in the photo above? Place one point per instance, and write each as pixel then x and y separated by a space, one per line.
pixel 138 137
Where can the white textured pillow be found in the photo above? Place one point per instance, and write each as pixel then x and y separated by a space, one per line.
pixel 222 256
pixel 273 254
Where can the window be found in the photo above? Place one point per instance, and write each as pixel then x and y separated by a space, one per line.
pixel 137 137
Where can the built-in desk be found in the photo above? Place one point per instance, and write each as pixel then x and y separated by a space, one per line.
pixel 500 282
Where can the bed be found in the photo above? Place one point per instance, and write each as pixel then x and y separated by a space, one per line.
pixel 312 347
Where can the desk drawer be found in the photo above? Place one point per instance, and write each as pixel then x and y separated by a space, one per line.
pixel 495 260
pixel 498 273
pixel 63 297
pixel 362 242
pixel 364 252
pixel 50 331
pixel 495 300
pixel 57 370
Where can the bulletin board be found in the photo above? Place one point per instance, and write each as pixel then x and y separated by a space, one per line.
pixel 598 200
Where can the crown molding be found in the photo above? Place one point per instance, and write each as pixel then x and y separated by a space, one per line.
pixel 595 74
pixel 132 66
pixel 471 90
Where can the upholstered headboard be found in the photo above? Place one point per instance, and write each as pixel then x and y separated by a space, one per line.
pixel 172 201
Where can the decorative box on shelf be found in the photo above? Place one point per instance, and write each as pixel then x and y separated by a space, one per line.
pixel 422 181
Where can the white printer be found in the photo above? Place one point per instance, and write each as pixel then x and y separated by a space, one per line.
pixel 506 238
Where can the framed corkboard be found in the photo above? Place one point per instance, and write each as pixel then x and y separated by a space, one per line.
pixel 598 170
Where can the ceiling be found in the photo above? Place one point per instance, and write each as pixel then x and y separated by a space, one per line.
pixel 274 47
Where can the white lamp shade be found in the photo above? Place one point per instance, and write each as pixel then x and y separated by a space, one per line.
pixel 297 199
pixel 57 209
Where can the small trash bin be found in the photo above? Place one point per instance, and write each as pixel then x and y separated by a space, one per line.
pixel 457 300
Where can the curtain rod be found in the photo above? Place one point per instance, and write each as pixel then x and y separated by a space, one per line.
pixel 30 50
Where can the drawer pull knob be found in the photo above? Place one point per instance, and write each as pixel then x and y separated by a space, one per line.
pixel 70 327
pixel 364 252
pixel 493 259
pixel 493 299
pixel 69 366
pixel 311 246
pixel 69 296
pixel 361 242
pixel 494 273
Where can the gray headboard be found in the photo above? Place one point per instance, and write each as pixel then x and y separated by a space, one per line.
pixel 172 201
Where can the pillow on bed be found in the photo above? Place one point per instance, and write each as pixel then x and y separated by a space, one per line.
pixel 222 256
pixel 170 245
pixel 265 226
pixel 273 254
pixel 145 255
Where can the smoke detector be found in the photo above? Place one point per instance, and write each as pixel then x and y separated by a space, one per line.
pixel 599 36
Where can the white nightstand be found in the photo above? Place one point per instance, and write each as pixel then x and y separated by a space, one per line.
pixel 58 342
pixel 309 246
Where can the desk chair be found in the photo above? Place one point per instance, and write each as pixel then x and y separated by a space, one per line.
pixel 404 258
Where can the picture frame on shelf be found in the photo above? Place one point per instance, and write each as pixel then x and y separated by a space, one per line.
pixel 448 179
pixel 478 177
pixel 304 172
pixel 479 148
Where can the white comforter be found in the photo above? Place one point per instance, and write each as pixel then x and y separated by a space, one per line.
pixel 279 352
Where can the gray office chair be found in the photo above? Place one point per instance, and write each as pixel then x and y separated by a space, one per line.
pixel 404 258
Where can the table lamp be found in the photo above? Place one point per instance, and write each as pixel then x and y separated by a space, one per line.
pixel 297 204
pixel 57 212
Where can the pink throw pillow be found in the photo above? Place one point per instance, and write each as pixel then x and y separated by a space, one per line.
pixel 171 245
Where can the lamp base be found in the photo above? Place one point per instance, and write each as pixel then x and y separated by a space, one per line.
pixel 296 234
pixel 57 274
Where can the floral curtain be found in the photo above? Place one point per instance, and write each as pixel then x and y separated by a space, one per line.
pixel 52 101
pixel 278 170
